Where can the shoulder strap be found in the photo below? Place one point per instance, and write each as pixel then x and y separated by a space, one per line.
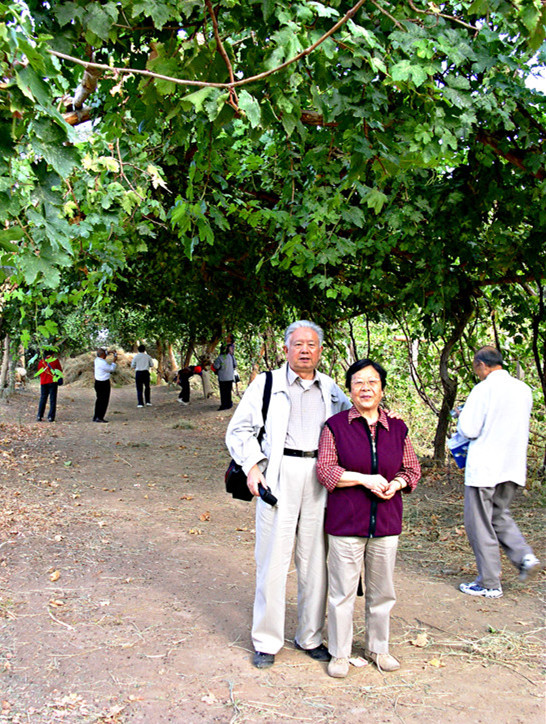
pixel 267 393
pixel 266 400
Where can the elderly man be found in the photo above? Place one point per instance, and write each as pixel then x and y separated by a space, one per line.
pixel 302 399
pixel 496 420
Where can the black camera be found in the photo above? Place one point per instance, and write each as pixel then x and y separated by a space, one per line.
pixel 266 495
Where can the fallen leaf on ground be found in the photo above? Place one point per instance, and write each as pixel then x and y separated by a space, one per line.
pixel 209 699
pixel 204 516
pixel 436 663
pixel 195 531
pixel 54 576
pixel 421 640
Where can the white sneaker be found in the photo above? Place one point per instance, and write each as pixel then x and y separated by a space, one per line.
pixel 148 404
pixel 474 589
pixel 183 403
pixel 529 566
pixel 338 668
pixel 140 405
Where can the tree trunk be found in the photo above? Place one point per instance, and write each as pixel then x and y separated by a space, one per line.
pixel 539 339
pixel 166 362
pixel 5 367
pixel 449 385
pixel 207 387
pixel 539 347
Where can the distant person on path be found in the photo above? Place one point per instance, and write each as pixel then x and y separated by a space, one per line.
pixel 103 370
pixel 142 364
pixel 495 418
pixel 301 400
pixel 225 365
pixel 365 460
pixel 49 384
pixel 183 379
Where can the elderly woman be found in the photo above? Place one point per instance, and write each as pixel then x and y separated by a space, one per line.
pixel 365 460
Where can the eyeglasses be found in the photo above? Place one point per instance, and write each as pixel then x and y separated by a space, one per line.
pixel 359 384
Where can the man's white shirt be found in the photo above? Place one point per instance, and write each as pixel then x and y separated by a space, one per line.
pixel 103 369
pixel 495 418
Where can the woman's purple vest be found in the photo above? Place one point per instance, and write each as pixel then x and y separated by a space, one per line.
pixel 355 511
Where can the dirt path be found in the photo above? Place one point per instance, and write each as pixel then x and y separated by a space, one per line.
pixel 126 585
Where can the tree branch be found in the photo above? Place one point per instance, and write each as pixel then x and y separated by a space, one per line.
pixel 443 15
pixel 391 18
pixel 514 157
pixel 205 84
pixel 233 100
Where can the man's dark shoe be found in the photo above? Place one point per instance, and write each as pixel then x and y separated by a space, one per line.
pixel 320 653
pixel 263 661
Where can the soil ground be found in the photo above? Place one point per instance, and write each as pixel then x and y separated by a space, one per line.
pixel 127 575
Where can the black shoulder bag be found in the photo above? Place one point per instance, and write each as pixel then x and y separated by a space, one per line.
pixel 235 477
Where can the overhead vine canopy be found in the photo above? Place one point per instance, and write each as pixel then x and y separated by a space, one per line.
pixel 384 153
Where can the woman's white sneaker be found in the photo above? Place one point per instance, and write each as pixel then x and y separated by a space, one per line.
pixel 384 662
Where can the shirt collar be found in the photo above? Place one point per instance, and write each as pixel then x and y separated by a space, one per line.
pixel 292 376
pixel 383 419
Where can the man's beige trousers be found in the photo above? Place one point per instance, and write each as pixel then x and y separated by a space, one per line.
pixel 299 517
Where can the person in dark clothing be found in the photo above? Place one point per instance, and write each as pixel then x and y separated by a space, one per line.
pixel 183 379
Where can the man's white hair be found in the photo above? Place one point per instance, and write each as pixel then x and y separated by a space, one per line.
pixel 303 323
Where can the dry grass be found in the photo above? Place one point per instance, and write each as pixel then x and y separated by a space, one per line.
pixel 79 371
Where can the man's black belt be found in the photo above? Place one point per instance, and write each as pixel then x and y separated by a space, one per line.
pixel 300 453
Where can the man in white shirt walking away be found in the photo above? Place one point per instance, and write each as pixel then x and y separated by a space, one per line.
pixel 495 418
pixel 103 370
pixel 142 363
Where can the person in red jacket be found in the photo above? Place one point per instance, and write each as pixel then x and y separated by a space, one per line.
pixel 50 370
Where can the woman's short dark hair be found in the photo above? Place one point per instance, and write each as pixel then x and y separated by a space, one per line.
pixel 359 365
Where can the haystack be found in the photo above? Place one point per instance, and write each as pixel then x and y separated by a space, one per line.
pixel 79 371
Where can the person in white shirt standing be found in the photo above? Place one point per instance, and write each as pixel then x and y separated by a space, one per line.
pixel 142 363
pixel 103 370
pixel 495 418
